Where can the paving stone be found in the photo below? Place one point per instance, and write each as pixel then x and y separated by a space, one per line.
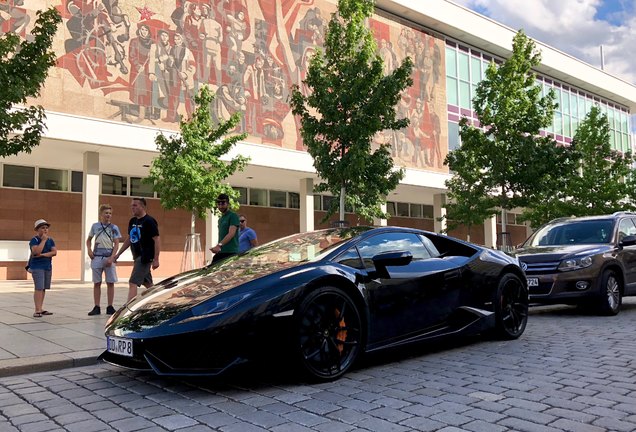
pixel 573 426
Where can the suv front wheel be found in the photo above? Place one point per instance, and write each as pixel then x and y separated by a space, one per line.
pixel 610 295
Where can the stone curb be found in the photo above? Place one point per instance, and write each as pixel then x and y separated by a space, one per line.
pixel 47 363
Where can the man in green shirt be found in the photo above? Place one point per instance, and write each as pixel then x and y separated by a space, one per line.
pixel 228 230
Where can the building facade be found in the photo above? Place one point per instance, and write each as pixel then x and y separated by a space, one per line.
pixel 127 71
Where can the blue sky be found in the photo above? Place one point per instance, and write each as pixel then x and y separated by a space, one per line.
pixel 577 27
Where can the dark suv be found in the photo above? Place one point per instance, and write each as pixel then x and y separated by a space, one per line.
pixel 586 261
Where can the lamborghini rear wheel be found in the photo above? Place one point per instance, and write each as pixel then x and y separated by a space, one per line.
pixel 329 333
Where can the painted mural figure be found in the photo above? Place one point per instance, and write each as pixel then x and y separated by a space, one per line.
pixel 159 67
pixel 193 32
pixel 182 69
pixel 212 35
pixel 236 32
pixel 13 18
pixel 139 55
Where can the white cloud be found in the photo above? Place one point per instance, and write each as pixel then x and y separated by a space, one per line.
pixel 571 26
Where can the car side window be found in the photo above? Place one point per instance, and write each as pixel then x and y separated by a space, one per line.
pixel 626 227
pixel 387 242
pixel 429 245
pixel 350 258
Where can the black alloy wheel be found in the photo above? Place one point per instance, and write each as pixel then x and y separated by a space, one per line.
pixel 330 335
pixel 511 307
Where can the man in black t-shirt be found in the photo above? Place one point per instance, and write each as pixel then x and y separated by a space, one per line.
pixel 145 245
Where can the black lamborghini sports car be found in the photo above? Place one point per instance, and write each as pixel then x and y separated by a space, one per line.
pixel 328 296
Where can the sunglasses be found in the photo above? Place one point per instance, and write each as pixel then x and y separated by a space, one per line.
pixel 242 221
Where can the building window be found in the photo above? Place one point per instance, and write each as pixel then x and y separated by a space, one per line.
pixel 326 202
pixel 18 176
pixel 294 200
pixel 427 211
pixel 317 202
pixel 390 208
pixel 277 198
pixel 52 179
pixel 77 181
pixel 114 185
pixel 258 197
pixel 416 210
pixel 140 189
pixel 402 209
pixel 242 199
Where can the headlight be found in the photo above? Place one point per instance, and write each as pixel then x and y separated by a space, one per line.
pixel 575 263
pixel 217 306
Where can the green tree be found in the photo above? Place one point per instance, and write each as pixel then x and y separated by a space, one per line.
pixel 466 206
pixel 189 173
pixel 514 162
pixel 24 66
pixel 597 184
pixel 350 100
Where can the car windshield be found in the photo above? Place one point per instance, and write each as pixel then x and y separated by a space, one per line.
pixel 573 233
pixel 299 247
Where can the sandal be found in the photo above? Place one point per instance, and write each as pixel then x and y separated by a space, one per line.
pixel 46 313
pixel 37 315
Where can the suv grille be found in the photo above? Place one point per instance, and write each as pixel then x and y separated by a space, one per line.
pixel 542 267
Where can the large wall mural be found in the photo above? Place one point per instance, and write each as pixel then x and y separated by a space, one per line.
pixel 143 61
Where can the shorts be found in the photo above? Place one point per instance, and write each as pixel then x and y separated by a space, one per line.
pixel 141 273
pixel 41 279
pixel 98 265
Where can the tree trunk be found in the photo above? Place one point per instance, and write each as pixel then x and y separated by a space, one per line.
pixel 342 203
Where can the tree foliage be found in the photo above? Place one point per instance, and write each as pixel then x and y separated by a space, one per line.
pixel 599 182
pixel 504 162
pixel 189 173
pixel 350 100
pixel 24 66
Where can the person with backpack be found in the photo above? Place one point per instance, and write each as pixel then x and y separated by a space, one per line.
pixel 40 264
pixel 102 255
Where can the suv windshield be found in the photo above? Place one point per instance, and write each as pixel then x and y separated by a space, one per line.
pixel 573 232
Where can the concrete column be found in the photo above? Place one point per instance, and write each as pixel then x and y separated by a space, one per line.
pixel 211 233
pixel 490 232
pixel 306 205
pixel 439 212
pixel 379 221
pixel 90 207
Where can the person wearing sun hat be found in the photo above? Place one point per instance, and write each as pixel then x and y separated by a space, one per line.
pixel 40 264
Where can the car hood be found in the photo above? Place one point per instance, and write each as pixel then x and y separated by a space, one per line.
pixel 180 293
pixel 558 252
pixel 191 288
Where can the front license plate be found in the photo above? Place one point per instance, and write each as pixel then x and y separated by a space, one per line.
pixel 533 282
pixel 120 346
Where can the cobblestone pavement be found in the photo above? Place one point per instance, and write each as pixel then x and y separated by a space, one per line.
pixel 570 371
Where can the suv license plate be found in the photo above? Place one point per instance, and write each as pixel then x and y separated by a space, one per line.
pixel 533 282
pixel 120 346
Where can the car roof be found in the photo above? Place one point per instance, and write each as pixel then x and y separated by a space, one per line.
pixel 591 218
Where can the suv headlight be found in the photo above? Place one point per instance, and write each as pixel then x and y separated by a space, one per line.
pixel 575 263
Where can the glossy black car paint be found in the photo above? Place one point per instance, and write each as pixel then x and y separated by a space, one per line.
pixel 397 299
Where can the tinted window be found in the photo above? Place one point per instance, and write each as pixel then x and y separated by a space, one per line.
pixel 387 242
pixel 350 258
pixel 430 246
pixel 625 228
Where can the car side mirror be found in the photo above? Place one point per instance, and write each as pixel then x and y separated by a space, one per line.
pixel 393 258
pixel 629 240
